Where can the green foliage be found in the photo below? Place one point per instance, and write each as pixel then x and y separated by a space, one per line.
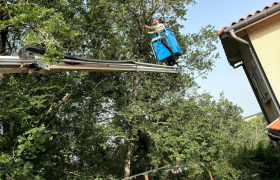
pixel 55 130
pixel 258 160
pixel 81 125
pixel 59 26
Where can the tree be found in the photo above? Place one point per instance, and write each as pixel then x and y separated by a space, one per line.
pixel 92 125
pixel 36 142
pixel 129 19
pixel 60 26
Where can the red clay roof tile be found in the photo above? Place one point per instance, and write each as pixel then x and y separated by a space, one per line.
pixel 241 19
pixel 221 31
pixel 249 15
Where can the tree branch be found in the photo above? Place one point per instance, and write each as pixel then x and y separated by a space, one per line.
pixel 123 137
pixel 59 105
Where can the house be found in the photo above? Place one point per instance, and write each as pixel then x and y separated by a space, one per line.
pixel 253 43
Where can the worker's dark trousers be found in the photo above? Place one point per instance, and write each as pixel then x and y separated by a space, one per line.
pixel 163 39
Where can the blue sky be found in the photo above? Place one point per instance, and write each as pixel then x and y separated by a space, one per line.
pixel 224 78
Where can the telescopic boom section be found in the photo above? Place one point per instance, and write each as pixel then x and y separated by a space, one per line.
pixel 14 64
pixel 28 62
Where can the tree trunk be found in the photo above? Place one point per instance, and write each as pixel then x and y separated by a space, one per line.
pixel 1 77
pixel 128 159
pixel 3 39
pixel 3 33
pixel 6 133
pixel 127 168
pixel 6 126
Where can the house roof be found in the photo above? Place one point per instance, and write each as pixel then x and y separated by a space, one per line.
pixel 266 8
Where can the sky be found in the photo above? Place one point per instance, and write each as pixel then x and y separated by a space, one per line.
pixel 223 78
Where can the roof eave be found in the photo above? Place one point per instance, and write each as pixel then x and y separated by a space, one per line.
pixel 252 20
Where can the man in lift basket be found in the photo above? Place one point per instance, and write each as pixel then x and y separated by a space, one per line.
pixel 159 27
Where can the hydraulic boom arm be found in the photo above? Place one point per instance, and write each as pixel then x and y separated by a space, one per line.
pixel 28 61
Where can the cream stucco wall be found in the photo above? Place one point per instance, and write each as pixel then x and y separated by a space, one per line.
pixel 265 37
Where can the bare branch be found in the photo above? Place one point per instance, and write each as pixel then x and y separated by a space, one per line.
pixel 162 123
pixel 123 137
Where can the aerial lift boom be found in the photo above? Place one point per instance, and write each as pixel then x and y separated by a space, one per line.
pixel 29 61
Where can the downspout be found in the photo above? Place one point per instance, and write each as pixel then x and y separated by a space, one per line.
pixel 255 93
pixel 274 100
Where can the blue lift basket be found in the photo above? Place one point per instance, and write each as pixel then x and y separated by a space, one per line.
pixel 160 50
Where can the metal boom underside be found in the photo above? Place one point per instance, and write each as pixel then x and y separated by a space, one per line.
pixel 15 64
